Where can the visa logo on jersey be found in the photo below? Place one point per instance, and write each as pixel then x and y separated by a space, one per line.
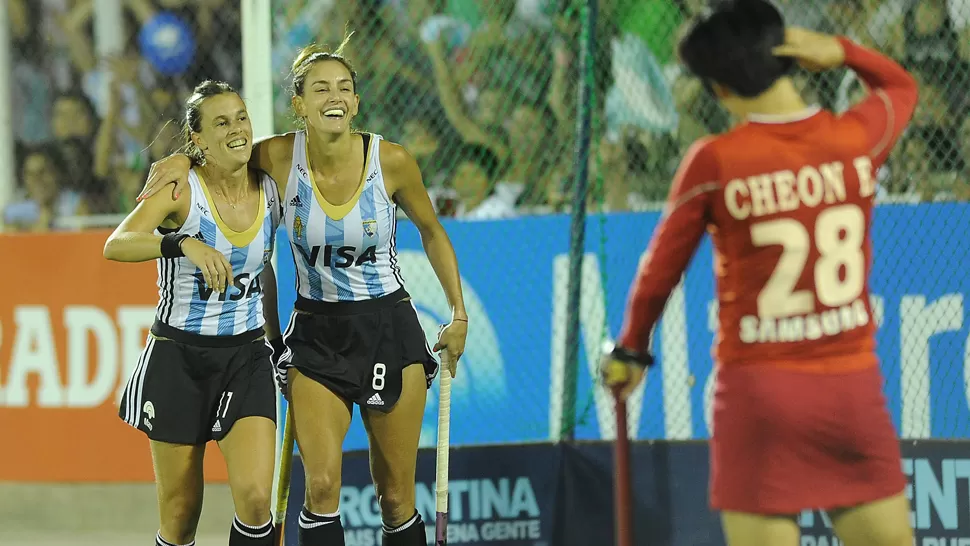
pixel 242 288
pixel 338 256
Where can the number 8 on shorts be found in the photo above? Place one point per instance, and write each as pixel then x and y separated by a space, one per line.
pixel 378 382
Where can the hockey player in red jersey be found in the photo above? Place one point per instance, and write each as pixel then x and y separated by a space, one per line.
pixel 800 421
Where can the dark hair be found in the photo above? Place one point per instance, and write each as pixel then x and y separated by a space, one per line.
pixel 49 151
pixel 86 104
pixel 732 44
pixel 193 116
pixel 482 157
pixel 315 53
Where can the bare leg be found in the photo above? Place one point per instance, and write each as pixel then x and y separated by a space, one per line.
pixel 881 523
pixel 742 529
pixel 394 440
pixel 179 485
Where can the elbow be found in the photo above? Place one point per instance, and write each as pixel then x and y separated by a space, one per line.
pixel 111 250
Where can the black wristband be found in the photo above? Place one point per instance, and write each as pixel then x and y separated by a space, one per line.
pixel 172 245
pixel 626 356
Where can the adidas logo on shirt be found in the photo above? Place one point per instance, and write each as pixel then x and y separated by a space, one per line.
pixel 217 427
pixel 375 400
pixel 296 202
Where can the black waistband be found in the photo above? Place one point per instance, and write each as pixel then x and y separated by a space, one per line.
pixel 160 329
pixel 350 307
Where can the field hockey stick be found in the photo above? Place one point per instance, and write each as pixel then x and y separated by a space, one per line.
pixel 441 454
pixel 622 487
pixel 285 470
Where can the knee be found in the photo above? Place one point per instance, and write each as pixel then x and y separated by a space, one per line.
pixel 253 503
pixel 180 512
pixel 323 490
pixel 396 499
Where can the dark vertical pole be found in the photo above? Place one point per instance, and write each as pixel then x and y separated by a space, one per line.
pixel 587 41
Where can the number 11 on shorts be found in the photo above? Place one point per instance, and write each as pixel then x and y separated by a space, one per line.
pixel 226 399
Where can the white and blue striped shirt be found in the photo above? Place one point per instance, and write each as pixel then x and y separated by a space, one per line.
pixel 185 301
pixel 342 252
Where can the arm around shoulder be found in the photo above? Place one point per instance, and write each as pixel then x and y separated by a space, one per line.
pixel 273 155
pixel 134 240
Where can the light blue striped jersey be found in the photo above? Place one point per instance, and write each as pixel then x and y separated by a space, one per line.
pixel 185 301
pixel 342 252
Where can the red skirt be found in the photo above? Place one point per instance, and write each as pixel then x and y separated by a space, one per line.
pixel 785 440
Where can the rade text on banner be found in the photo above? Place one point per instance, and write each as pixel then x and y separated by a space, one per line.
pixel 72 326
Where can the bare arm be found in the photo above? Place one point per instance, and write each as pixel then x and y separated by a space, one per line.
pixel 104 144
pixel 134 240
pixel 81 50
pixel 271 155
pixel 408 190
pixel 410 193
pixel 454 109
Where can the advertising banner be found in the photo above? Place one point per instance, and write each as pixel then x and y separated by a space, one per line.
pixel 499 495
pixel 562 495
pixel 515 277
pixel 72 326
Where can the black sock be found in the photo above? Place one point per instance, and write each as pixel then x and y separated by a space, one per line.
pixel 320 529
pixel 410 533
pixel 159 541
pixel 245 535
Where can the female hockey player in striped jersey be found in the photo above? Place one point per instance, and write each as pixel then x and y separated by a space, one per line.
pixel 206 372
pixel 354 336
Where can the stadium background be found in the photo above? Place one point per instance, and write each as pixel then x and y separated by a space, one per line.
pixel 587 113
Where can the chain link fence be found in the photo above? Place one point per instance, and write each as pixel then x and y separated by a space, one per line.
pixel 93 108
pixel 484 95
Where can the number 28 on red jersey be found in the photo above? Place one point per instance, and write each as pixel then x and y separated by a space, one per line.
pixel 804 267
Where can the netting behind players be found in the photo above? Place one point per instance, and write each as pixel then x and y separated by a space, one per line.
pixel 651 111
pixel 483 95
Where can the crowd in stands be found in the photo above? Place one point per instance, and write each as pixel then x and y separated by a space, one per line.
pixel 482 92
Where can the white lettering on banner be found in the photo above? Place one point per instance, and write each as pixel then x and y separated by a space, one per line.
pixel 592 320
pixel 918 323
pixel 33 353
pixel 81 322
pixel 478 510
pixel 938 504
pixel 86 383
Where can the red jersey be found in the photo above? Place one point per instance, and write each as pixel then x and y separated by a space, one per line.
pixel 788 204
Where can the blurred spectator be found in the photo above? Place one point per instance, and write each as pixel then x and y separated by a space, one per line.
pixel 482 93
pixel 42 197
pixel 31 85
pixel 476 184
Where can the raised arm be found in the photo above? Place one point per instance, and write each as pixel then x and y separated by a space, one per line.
pixel 891 102
pixel 270 155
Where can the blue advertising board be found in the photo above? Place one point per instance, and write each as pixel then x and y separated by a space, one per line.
pixel 561 495
pixel 500 495
pixel 514 275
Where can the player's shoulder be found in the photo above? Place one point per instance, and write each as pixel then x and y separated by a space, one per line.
pixel 395 156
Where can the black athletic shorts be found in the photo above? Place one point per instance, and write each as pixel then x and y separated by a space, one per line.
pixel 189 388
pixel 359 349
